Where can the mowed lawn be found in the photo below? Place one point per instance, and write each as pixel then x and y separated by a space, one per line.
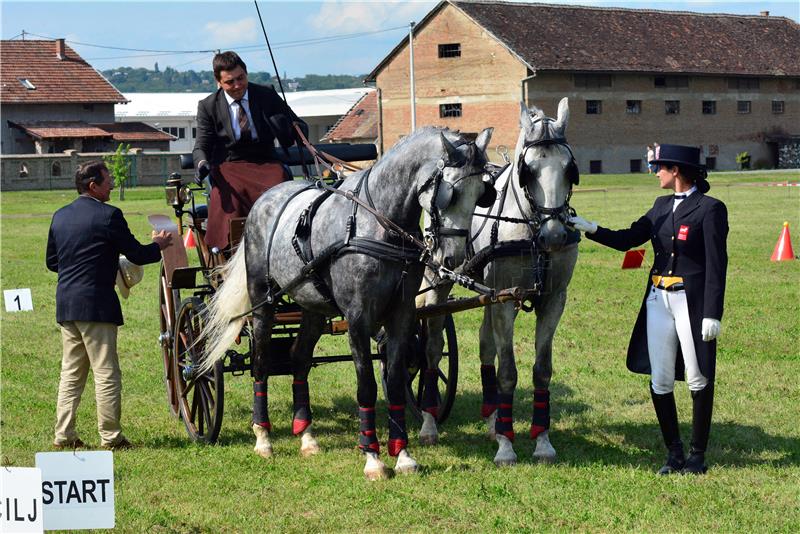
pixel 603 425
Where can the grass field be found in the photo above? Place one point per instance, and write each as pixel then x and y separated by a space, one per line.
pixel 603 425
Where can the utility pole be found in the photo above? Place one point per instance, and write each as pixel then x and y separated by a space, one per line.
pixel 411 76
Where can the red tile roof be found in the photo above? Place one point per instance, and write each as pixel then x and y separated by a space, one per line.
pixel 557 37
pixel 361 122
pixel 68 80
pixel 118 131
pixel 60 129
pixel 576 38
pixel 134 131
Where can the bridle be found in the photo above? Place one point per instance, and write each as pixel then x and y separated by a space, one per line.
pixel 541 214
pixel 442 197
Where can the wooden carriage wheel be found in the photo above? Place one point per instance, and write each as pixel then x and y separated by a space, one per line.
pixel 200 397
pixel 417 363
pixel 167 307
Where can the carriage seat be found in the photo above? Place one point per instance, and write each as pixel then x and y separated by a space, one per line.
pixel 198 212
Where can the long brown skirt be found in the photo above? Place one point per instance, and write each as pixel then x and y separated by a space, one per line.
pixel 237 186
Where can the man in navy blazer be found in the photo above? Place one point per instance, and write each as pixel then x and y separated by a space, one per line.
pixel 85 241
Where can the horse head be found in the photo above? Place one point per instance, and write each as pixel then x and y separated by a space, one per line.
pixel 449 197
pixel 546 171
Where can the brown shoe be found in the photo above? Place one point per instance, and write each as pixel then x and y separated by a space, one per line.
pixel 69 445
pixel 121 444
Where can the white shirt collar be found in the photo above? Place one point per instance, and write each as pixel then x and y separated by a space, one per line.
pixel 686 193
pixel 230 99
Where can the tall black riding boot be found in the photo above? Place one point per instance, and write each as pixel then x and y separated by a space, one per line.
pixel 702 404
pixel 668 421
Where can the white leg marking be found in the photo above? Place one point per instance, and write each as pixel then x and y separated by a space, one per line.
pixel 505 452
pixel 375 469
pixel 263 445
pixel 405 463
pixel 428 434
pixel 544 452
pixel 308 444
pixel 490 421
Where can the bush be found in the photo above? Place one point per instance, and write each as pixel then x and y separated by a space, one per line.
pixel 119 166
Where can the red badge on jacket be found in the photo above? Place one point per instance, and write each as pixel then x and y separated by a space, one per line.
pixel 683 232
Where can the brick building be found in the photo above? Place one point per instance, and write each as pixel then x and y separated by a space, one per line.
pixel 51 100
pixel 727 83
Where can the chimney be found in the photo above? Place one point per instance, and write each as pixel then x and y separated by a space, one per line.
pixel 765 13
pixel 60 49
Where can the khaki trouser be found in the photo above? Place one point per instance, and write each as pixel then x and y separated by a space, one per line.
pixel 85 345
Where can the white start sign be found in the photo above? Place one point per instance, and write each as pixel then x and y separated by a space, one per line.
pixel 20 499
pixel 77 489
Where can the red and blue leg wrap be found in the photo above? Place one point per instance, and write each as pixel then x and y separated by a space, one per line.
pixel 398 438
pixel 489 386
pixel 367 440
pixel 430 392
pixel 260 410
pixel 301 406
pixel 541 412
pixel 504 424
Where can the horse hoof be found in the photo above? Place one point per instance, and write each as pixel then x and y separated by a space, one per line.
pixel 505 462
pixel 308 445
pixel 378 473
pixel 544 453
pixel 429 439
pixel 405 465
pixel 264 452
pixel 309 450
pixel 505 452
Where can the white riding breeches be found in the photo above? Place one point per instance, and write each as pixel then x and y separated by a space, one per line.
pixel 667 325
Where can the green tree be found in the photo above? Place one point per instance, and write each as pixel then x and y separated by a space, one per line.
pixel 119 167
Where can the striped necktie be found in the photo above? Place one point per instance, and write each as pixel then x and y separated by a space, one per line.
pixel 244 124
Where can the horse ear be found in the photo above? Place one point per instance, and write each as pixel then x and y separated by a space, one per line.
pixel 450 150
pixel 525 118
pixel 482 142
pixel 563 116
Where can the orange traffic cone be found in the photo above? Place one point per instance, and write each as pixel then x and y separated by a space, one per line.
pixel 188 240
pixel 783 249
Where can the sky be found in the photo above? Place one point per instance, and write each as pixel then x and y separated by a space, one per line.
pixel 321 37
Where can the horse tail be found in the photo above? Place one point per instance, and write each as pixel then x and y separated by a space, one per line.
pixel 222 322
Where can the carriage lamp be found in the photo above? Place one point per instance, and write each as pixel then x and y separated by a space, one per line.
pixel 178 195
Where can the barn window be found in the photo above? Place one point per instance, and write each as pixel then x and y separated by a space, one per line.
pixel 592 81
pixel 55 170
pixel 594 107
pixel 181 133
pixel 671 81
pixel 636 165
pixel 709 107
pixel 23 170
pixel 634 107
pixel 777 106
pixel 672 107
pixel 449 110
pixel 595 166
pixel 743 106
pixel 711 163
pixel 744 84
pixel 450 50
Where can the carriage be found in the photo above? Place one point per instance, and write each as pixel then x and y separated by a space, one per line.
pixel 197 397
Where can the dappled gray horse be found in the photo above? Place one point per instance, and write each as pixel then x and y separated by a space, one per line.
pixel 334 257
pixel 532 248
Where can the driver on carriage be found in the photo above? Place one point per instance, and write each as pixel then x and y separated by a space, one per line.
pixel 237 130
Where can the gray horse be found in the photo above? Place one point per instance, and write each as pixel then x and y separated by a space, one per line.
pixel 530 248
pixel 371 281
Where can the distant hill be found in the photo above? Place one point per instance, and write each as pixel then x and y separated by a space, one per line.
pixel 130 80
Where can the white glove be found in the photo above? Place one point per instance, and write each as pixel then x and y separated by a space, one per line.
pixel 579 223
pixel 710 329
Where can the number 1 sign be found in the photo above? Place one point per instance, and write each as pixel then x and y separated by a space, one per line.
pixel 18 300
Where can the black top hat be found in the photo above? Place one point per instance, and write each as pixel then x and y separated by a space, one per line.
pixel 678 155
pixel 682 155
